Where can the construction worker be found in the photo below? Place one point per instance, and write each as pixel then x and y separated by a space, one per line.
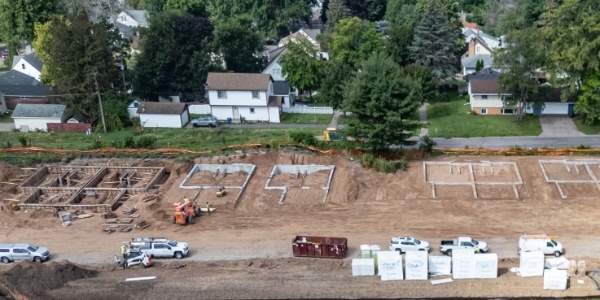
pixel 208 208
pixel 185 199
pixel 124 252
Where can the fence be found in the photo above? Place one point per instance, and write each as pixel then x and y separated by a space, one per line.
pixel 199 109
pixel 309 110
pixel 69 127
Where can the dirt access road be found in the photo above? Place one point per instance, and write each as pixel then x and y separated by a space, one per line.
pixel 244 249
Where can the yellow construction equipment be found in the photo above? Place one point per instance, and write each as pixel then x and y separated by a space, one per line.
pixel 221 191
pixel 330 134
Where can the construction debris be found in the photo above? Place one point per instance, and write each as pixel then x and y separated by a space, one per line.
pixel 136 215
pixel 84 216
pixel 125 220
pixel 127 229
pixel 129 209
pixel 109 215
pixel 64 216
pixel 112 220
pixel 141 225
pixel 108 230
pixel 149 198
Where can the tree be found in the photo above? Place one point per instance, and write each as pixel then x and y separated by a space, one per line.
pixel 301 66
pixel 154 7
pixel 400 39
pixel 354 40
pixel 240 45
pixel 175 55
pixel 335 77
pixel 588 102
pixel 337 11
pixel 384 102
pixel 479 65
pixel 193 7
pixel 376 9
pixel 358 8
pixel 520 61
pixel 426 80
pixel 115 111
pixel 434 43
pixel 78 61
pixel 17 19
pixel 324 9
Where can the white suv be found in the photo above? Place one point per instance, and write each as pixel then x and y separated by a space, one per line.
pixel 406 243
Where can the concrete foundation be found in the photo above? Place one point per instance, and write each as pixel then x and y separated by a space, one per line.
pixel 300 170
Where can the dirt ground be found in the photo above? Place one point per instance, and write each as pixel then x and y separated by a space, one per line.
pixel 243 250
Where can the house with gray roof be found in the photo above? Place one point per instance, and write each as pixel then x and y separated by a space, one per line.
pixel 282 88
pixel 28 117
pixel 28 64
pixel 469 63
pixel 305 34
pixel 18 88
pixel 243 96
pixel 274 67
pixel 133 18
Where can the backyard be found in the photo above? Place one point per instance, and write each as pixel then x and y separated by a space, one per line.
pixel 453 119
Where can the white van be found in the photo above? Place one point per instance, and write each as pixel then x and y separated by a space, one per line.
pixel 540 242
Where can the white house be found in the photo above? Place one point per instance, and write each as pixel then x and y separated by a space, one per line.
pixel 29 117
pixel 274 68
pixel 28 65
pixel 132 18
pixel 163 114
pixel 553 105
pixel 305 34
pixel 243 96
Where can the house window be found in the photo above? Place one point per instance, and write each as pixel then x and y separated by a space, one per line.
pixel 222 94
pixel 255 94
pixel 484 97
pixel 276 71
pixel 251 110
pixel 24 98
pixel 508 111
pixel 477 50
pixel 484 111
pixel 23 66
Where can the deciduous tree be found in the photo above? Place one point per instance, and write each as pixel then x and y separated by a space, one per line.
pixel 354 40
pixel 337 11
pixel 384 102
pixel 335 77
pixel 240 45
pixel 302 66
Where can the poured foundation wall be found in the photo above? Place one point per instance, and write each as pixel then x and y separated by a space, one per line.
pixel 284 177
pixel 573 178
pixel 208 176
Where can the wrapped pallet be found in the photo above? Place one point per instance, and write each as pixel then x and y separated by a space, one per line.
pixel 463 264
pixel 486 265
pixel 555 279
pixel 389 265
pixel 440 265
pixel 363 267
pixel 416 265
pixel 531 264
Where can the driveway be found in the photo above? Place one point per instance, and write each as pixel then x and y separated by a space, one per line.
pixel 559 126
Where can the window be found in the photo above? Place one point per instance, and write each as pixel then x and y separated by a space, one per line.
pixel 160 246
pixel 255 94
pixel 276 71
pixel 484 111
pixel 24 98
pixel 222 94
pixel 23 66
pixel 4 250
pixel 484 97
pixel 20 251
pixel 549 244
pixel 251 110
pixel 508 111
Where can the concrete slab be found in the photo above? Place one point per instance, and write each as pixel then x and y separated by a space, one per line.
pixel 559 126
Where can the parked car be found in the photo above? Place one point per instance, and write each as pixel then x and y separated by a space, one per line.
pixel 161 247
pixel 540 242
pixel 463 242
pixel 21 252
pixel 403 244
pixel 206 121
pixel 4 54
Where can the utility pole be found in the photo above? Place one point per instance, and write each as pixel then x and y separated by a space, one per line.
pixel 123 73
pixel 95 74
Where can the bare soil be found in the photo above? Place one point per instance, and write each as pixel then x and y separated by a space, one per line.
pixel 243 249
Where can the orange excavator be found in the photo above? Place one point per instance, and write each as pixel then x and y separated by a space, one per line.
pixel 185 213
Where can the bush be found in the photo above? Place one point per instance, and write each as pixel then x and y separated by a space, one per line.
pixel 382 165
pixel 368 160
pixel 303 137
pixel 146 142
pixel 427 143
pixel 23 140
pixel 129 142
pixel 582 146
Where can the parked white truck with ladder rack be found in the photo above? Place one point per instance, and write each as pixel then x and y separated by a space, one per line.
pixel 160 247
pixel 540 242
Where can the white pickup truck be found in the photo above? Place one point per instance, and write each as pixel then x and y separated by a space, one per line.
pixel 161 247
pixel 463 242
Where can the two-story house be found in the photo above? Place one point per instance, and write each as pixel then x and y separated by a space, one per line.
pixel 29 65
pixel 485 97
pixel 243 96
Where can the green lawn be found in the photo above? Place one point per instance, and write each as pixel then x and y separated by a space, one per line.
pixel 198 139
pixel 452 119
pixel 585 128
pixel 6 118
pixel 288 118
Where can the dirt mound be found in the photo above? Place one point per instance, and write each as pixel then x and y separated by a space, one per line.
pixel 34 280
pixel 8 171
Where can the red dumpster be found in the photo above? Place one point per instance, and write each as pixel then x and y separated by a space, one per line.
pixel 319 246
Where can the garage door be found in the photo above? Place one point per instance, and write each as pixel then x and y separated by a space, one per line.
pixel 556 109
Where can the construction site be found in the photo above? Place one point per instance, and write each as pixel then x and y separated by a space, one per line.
pixel 243 247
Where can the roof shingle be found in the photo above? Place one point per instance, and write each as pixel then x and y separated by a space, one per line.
pixel 39 111
pixel 484 86
pixel 237 82
pixel 161 108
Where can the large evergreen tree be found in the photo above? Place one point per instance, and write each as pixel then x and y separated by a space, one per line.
pixel 335 77
pixel 434 42
pixel 384 102
pixel 175 55
pixel 78 59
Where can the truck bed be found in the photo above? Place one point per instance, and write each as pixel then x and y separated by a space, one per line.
pixel 447 243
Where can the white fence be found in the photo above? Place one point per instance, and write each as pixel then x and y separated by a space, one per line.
pixel 199 109
pixel 308 110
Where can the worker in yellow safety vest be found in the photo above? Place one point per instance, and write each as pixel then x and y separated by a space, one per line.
pixel 124 251
pixel 186 200
pixel 208 208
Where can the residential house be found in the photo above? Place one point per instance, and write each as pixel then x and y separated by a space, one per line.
pixel 283 89
pixel 29 65
pixel 307 34
pixel 479 42
pixel 485 96
pixel 274 67
pixel 469 63
pixel 243 96
pixel 163 114
pixel 132 18
pixel 28 117
pixel 19 87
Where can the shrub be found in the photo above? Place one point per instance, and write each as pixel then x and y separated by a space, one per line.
pixel 146 142
pixel 129 142
pixel 23 140
pixel 302 137
pixel 427 143
pixel 382 165
pixel 368 160
pixel 582 146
